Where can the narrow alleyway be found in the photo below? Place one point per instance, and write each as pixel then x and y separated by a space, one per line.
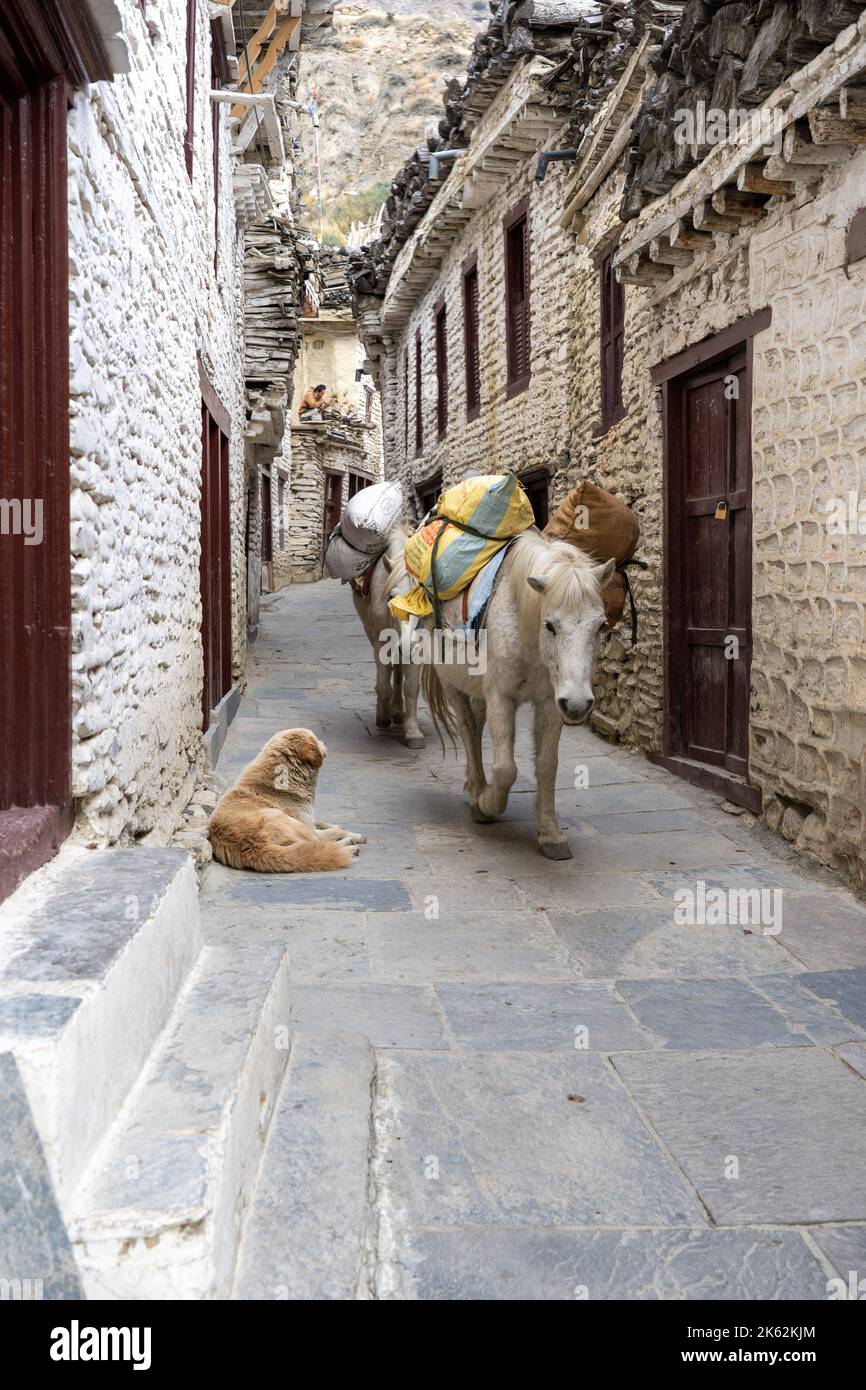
pixel 572 1094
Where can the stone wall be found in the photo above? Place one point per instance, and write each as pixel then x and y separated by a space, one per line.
pixel 808 745
pixel 316 450
pixel 531 430
pixel 808 675
pixel 145 303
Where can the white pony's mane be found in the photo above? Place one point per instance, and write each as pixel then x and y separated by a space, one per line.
pixel 572 578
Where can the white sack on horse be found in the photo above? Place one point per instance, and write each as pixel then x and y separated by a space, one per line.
pixel 370 517
pixel 343 561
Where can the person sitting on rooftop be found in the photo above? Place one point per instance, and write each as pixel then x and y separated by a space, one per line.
pixel 314 406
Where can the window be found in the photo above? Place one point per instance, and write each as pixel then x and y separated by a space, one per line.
pixel 441 326
pixel 357 482
pixel 612 338
pixel 517 325
pixel 219 76
pixel 419 423
pixel 470 339
pixel 368 405
pixel 535 485
pixel 215 562
pixel 189 137
pixel 428 493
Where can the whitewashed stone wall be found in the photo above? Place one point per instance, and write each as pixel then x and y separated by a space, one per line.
pixel 144 302
pixel 531 430
pixel 808 675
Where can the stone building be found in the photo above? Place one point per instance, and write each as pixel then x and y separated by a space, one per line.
pixel 690 277
pixel 170 377
pixel 171 228
pixel 329 460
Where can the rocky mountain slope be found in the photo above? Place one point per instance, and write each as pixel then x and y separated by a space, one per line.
pixel 378 75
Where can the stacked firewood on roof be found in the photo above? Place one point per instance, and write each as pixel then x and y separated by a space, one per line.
pixel 334 278
pixel 728 57
pixel 518 29
pixel 278 257
pixel 600 46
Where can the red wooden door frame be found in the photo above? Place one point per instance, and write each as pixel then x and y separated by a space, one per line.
pixel 671 376
pixel 36 811
pixel 215 558
pixel 332 504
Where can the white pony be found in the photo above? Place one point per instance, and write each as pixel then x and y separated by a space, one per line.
pixel 397 684
pixel 542 627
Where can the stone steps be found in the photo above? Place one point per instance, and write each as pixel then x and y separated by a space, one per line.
pixel 93 953
pixel 159 1212
pixel 306 1237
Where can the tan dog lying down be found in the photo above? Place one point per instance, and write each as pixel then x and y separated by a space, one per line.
pixel 266 822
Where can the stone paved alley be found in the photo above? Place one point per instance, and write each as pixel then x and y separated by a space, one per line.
pixel 572 1096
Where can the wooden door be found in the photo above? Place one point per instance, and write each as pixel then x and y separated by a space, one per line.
pixel 215 562
pixel 333 503
pixel 709 565
pixel 267 518
pixel 35 701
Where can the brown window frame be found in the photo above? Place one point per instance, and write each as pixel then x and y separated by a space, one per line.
pixel 419 417
pixel 189 134
pixel 356 483
pixel 440 338
pixel 518 361
pixel 219 72
pixel 611 337
pixel 471 337
pixel 536 484
pixel 427 489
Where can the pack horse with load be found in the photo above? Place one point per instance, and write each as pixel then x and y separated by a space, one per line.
pixel 533 605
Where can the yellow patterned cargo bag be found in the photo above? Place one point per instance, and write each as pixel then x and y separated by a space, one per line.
pixel 492 508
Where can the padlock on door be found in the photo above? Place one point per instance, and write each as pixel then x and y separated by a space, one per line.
pixel 721 512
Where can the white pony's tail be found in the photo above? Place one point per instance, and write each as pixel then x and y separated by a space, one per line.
pixel 437 703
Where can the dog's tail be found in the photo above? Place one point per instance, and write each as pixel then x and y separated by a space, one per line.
pixel 437 703
pixel 308 856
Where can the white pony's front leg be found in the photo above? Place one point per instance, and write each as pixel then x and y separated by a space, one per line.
pixel 383 689
pixel 470 726
pixel 412 735
pixel 548 728
pixel 500 717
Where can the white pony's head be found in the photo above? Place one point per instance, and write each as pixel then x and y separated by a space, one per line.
pixel 558 592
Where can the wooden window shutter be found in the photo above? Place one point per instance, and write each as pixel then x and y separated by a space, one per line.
pixel 419 421
pixel 406 402
pixel 517 302
pixel 189 137
pixel 612 340
pixel 471 340
pixel 441 326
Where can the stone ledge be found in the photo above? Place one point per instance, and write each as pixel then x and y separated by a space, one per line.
pixel 93 953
